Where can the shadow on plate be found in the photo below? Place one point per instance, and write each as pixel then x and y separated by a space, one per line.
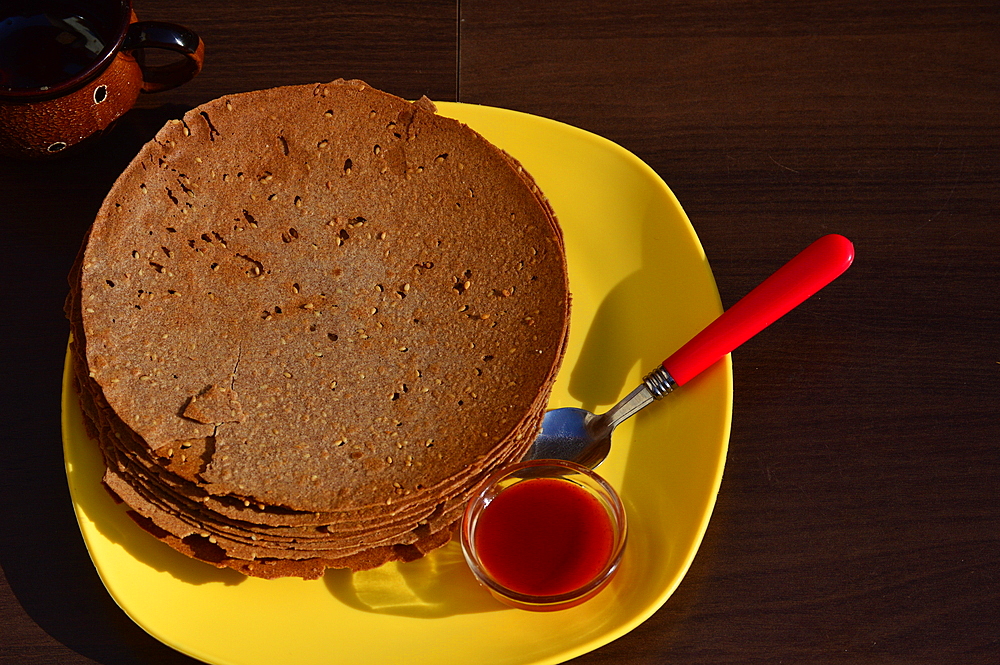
pixel 634 323
pixel 438 585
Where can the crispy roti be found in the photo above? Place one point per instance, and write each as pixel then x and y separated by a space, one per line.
pixel 314 317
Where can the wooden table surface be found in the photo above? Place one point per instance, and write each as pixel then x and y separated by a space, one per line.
pixel 858 517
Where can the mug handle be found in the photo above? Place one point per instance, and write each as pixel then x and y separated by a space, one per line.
pixel 172 37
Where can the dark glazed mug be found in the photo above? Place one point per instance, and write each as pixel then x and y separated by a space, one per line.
pixel 70 68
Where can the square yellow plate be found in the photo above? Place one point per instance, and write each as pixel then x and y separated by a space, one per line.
pixel 641 287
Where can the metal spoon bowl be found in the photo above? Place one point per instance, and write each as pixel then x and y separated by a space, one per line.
pixel 580 436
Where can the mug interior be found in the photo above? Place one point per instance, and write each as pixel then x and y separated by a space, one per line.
pixel 50 46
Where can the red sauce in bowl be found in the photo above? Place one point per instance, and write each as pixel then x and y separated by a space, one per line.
pixel 544 537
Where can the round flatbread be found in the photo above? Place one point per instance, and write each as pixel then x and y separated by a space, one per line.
pixel 321 301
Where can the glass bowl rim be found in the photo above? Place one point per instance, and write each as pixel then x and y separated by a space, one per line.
pixel 616 515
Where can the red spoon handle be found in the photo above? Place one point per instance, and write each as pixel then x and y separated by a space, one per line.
pixel 812 269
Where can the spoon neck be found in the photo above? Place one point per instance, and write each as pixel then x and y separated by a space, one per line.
pixel 656 384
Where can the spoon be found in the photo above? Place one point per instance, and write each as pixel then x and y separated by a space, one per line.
pixel 580 436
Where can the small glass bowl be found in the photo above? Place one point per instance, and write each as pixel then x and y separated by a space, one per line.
pixel 514 474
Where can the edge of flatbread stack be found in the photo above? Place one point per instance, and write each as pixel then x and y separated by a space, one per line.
pixel 308 321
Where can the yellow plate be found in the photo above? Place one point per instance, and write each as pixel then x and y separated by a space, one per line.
pixel 641 287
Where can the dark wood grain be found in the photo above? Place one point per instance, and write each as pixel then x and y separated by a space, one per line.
pixel 858 518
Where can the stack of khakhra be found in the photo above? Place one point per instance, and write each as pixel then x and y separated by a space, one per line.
pixel 308 321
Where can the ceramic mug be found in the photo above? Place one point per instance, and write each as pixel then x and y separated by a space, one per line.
pixel 70 68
